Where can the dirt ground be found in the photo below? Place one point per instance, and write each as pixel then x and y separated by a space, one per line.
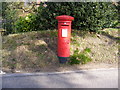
pixel 36 51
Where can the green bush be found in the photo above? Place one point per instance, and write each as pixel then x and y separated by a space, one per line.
pixel 13 23
pixel 88 15
pixel 25 24
pixel 9 14
pixel 74 60
pixel 80 58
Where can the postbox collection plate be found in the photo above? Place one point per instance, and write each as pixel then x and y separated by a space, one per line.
pixel 64 32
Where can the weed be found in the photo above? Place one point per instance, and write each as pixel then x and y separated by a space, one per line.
pixel 40 55
pixel 13 60
pixel 118 41
pixel 53 34
pixel 101 32
pixel 32 37
pixel 76 52
pixel 74 60
pixel 93 35
pixel 83 58
pixel 80 58
pixel 13 63
pixel 73 34
pixel 74 42
pixel 43 46
pixel 79 33
pixel 87 50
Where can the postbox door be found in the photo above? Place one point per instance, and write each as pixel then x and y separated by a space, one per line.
pixel 64 41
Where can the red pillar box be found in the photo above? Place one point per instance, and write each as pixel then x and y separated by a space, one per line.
pixel 64 34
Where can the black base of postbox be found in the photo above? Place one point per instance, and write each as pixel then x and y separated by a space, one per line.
pixel 63 60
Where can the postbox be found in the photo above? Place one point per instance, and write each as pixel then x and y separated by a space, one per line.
pixel 64 34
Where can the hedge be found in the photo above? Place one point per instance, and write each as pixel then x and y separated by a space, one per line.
pixel 90 16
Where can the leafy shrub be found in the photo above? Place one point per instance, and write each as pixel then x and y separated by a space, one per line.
pixel 25 24
pixel 74 60
pixel 80 58
pixel 9 14
pixel 88 15
pixel 83 58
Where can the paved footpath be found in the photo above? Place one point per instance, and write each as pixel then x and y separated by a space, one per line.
pixel 101 78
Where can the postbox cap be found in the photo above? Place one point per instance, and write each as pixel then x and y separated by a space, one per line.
pixel 65 17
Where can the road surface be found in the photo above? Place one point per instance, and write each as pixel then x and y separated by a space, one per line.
pixel 102 78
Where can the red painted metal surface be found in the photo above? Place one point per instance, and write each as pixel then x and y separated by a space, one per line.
pixel 64 34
